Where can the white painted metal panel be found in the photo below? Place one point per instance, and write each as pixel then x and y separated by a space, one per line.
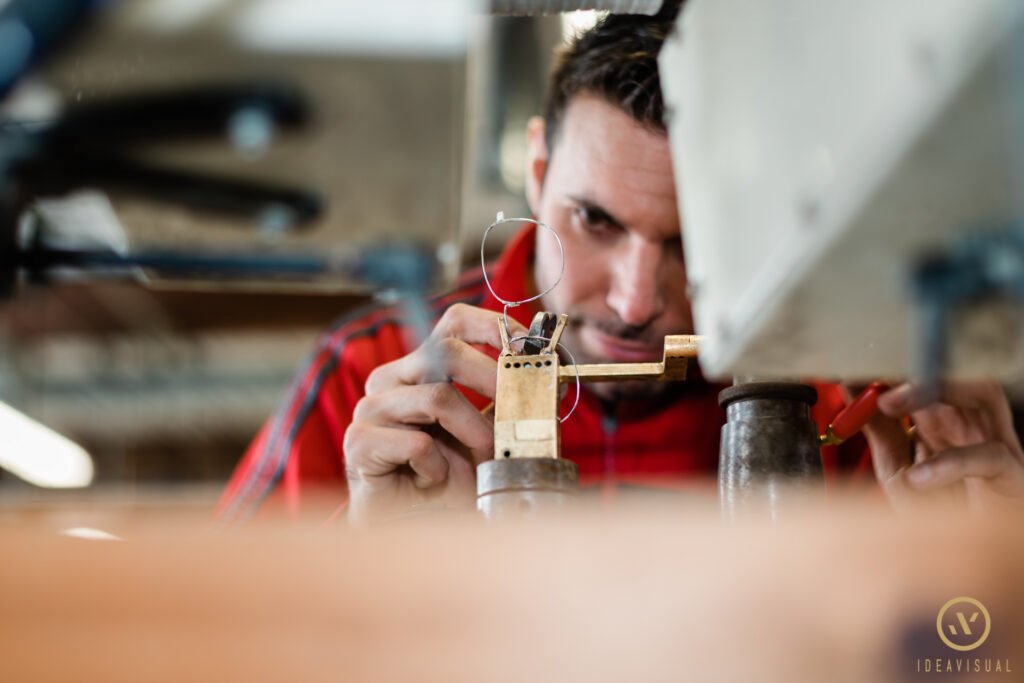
pixel 821 148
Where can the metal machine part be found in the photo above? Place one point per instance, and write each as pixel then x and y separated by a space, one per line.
pixel 679 348
pixel 526 397
pixel 527 471
pixel 769 446
pixel 541 329
pixel 508 488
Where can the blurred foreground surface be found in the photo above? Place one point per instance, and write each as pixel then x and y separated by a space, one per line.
pixel 836 592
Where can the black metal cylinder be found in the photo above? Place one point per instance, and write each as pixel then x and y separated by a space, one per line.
pixel 522 486
pixel 769 446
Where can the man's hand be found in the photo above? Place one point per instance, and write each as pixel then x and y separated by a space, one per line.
pixel 964 448
pixel 414 437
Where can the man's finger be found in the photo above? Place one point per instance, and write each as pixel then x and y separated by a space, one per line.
pixel 443 355
pixel 441 361
pixel 990 461
pixel 427 404
pixel 373 452
pixel 910 397
pixel 891 448
pixel 988 398
pixel 473 325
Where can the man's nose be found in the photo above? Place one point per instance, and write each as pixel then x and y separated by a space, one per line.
pixel 634 293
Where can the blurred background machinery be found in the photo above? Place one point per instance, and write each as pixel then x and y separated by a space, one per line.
pixel 411 133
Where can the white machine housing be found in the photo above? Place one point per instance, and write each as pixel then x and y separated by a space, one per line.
pixel 821 149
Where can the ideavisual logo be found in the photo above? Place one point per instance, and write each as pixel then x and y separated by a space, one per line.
pixel 963 625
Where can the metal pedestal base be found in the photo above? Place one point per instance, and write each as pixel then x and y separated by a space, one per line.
pixel 522 486
pixel 769 446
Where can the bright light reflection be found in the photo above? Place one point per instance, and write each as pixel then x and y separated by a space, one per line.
pixel 39 455
pixel 575 23
pixel 90 534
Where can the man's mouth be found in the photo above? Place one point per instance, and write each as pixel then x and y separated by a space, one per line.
pixel 617 349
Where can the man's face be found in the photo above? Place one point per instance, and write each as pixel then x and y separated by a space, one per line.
pixel 607 189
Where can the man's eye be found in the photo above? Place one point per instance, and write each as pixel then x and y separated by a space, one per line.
pixel 594 221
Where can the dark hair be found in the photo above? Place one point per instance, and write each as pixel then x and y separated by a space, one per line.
pixel 617 60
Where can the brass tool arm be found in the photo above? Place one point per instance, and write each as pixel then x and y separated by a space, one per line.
pixel 678 349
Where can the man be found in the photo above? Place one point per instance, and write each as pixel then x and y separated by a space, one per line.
pixel 395 426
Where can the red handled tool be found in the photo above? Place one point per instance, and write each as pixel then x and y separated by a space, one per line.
pixel 853 417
